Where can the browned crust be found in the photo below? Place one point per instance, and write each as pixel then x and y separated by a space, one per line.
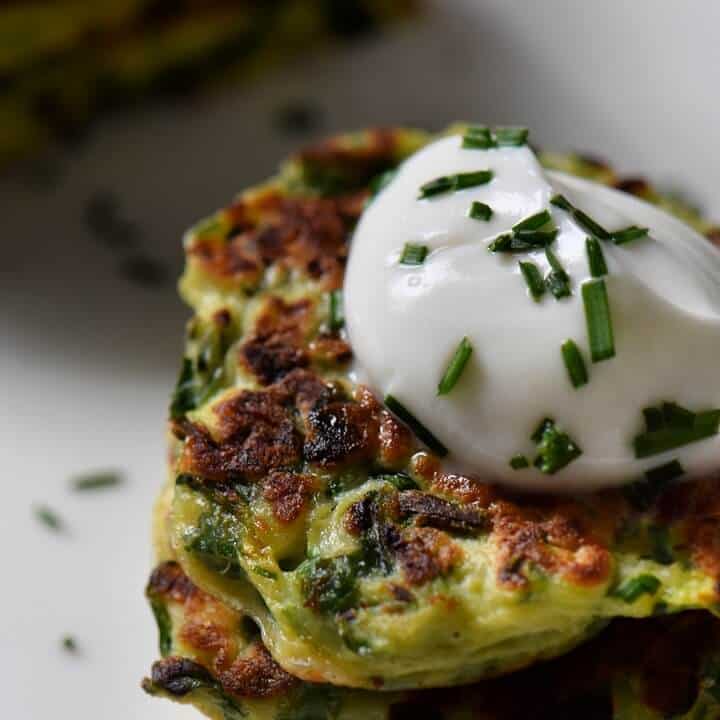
pixel 435 512
pixel 210 629
pixel 425 553
pixel 288 495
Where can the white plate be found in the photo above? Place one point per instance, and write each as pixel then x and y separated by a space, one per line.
pixel 88 360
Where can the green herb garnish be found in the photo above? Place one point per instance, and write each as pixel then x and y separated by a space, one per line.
pixel 581 218
pixel 672 426
pixel 630 590
pixel 396 407
pixel 533 222
pixel 456 367
pixel 599 321
pixel 97 480
pixel 480 211
pixel 556 449
pixel 48 517
pixel 660 546
pixel 337 315
pixel 478 137
pixel 557 281
pixel 453 183
pixel 69 644
pixel 533 279
pixel 523 241
pixel 519 462
pixel 596 258
pixel 511 136
pixel 643 493
pixel 574 363
pixel 413 254
pixel 628 234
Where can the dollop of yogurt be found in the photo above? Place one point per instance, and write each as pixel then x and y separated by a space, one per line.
pixel 406 321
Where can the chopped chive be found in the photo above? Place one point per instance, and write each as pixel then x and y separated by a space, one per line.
pixel 676 416
pixel 664 474
pixel 533 222
pixel 556 449
pixel 705 425
pixel 533 279
pixel 523 241
pixel 511 136
pixel 630 590
pixel 596 258
pixel 97 481
pixel 628 234
pixel 472 179
pixel 337 315
pixel 654 419
pixel 562 202
pixel 599 321
pixel 453 183
pixel 574 363
pixel 519 462
pixel 69 644
pixel 660 545
pixel 48 517
pixel 589 225
pixel 456 367
pixel 381 181
pixel 396 407
pixel 535 238
pixel 544 425
pixel 502 243
pixel 480 211
pixel 557 281
pixel 478 137
pixel 643 493
pixel 413 254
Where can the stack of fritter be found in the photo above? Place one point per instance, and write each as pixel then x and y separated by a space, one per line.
pixel 314 560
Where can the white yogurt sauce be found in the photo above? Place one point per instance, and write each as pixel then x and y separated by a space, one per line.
pixel 405 322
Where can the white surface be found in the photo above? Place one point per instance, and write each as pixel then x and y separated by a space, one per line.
pixel 405 322
pixel 88 362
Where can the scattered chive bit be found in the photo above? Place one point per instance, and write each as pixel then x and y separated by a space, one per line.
pixel 453 183
pixel 596 258
pixel 672 426
pixel 511 136
pixel 589 225
pixel 519 462
pixel 660 545
pixel 396 407
pixel 643 493
pixel 478 137
pixel 581 218
pixel 557 281
pixel 630 590
pixel 337 315
pixel 97 481
pixel 533 279
pixel 48 517
pixel 561 202
pixel 556 449
pixel 456 367
pixel 533 222
pixel 413 254
pixel 577 371
pixel 69 644
pixel 480 211
pixel 523 241
pixel 628 234
pixel 599 321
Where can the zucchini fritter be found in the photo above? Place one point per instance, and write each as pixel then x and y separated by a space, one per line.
pixel 302 501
